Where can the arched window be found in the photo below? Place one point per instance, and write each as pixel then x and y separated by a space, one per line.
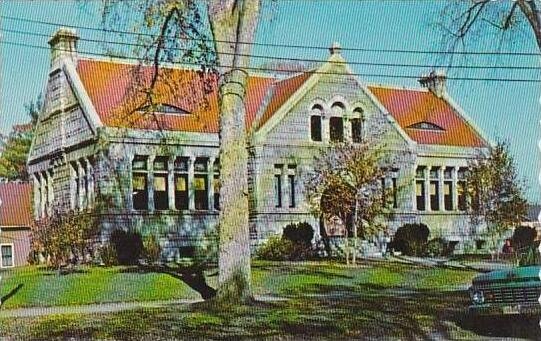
pixel 337 122
pixel 315 122
pixel 357 125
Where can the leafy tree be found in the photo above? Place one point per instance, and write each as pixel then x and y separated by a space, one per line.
pixel 346 183
pixel 496 195
pixel 64 237
pixel 15 147
pixel 232 29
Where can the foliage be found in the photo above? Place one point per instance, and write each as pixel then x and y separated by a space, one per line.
pixel 348 174
pixel 108 255
pixel 529 256
pixel 151 249
pixel 523 237
pixel 128 246
pixel 15 147
pixel 497 195
pixel 301 233
pixel 438 247
pixel 283 249
pixel 66 236
pixel 411 239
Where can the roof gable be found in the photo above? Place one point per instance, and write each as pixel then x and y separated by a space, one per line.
pixel 419 110
pixel 15 209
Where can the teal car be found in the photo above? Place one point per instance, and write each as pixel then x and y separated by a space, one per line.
pixel 514 291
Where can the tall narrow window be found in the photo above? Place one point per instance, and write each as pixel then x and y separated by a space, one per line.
pixel 140 183
pixel 461 184
pixel 448 188
pixel 278 185
pixel 395 192
pixel 200 184
pixel 435 188
pixel 291 178
pixel 6 251
pixel 356 130
pixel 161 196
pixel 74 183
pixel 315 122
pixel 383 192
pixel 216 168
pixel 181 183
pixel 337 129
pixel 420 188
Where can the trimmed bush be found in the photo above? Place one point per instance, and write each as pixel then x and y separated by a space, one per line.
pixel 411 239
pixel 151 249
pixel 523 237
pixel 438 247
pixel 301 233
pixel 128 246
pixel 275 248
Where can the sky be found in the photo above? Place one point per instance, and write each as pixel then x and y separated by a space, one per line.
pixel 502 110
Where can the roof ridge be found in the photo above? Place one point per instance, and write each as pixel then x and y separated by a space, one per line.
pixel 179 66
pixel 397 87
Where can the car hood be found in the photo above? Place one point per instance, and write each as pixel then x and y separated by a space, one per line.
pixel 517 274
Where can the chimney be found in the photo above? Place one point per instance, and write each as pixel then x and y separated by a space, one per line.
pixel 63 44
pixel 335 48
pixel 435 82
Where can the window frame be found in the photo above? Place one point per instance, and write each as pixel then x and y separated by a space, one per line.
pixel 12 246
pixel 201 174
pixel 142 173
pixel 336 134
pixel 161 173
pixel 181 172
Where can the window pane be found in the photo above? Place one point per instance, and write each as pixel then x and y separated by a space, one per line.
pixel 435 172
pixel 201 193
pixel 161 201
pixel 7 255
pixel 420 172
pixel 160 183
pixel 160 163
pixel 181 192
pixel 434 196
pixel 395 193
pixel 139 163
pixel 448 173
pixel 216 166
pixel 140 192
pixel 291 190
pixel 462 196
pixel 216 192
pixel 337 129
pixel 420 195
pixel 181 164
pixel 315 128
pixel 278 190
pixel 356 130
pixel 448 195
pixel 200 164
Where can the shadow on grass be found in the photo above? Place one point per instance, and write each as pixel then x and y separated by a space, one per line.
pixel 10 294
pixel 191 276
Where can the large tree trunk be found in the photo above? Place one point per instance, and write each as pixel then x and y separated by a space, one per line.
pixel 233 21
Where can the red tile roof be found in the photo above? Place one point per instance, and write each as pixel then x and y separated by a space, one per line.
pixel 282 91
pixel 111 89
pixel 16 206
pixel 409 106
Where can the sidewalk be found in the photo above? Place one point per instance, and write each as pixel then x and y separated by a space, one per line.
pixel 108 307
pixel 478 265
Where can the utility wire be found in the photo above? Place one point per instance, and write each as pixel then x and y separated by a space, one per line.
pixel 265 69
pixel 42 22
pixel 509 67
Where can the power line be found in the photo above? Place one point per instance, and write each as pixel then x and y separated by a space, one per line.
pixel 264 69
pixel 357 49
pixel 293 58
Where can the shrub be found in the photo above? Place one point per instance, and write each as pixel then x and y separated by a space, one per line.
pixel 438 247
pixel 205 252
pixel 108 255
pixel 151 249
pixel 301 233
pixel 531 256
pixel 128 246
pixel 275 248
pixel 523 237
pixel 411 239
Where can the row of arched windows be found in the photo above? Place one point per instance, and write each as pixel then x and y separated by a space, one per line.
pixel 336 123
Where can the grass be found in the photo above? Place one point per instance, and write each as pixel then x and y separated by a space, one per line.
pixel 324 301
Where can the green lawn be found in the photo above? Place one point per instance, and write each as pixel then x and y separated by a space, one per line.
pixel 324 301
